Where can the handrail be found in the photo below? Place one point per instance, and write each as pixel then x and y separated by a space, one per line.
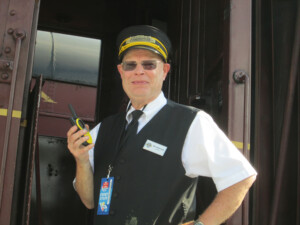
pixel 19 35
pixel 239 77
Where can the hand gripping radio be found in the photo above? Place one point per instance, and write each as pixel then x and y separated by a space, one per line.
pixel 75 120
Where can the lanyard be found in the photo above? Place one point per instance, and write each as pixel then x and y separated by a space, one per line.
pixel 121 141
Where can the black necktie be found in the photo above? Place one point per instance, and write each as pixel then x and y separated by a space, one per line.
pixel 132 127
pixel 131 130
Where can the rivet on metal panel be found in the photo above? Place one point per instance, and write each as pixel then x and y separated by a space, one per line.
pixel 7 50
pixel 12 12
pixel 4 76
pixel 10 31
pixel 6 64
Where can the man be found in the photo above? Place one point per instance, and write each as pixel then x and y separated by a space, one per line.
pixel 149 175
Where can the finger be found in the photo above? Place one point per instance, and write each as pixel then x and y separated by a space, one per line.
pixel 79 142
pixel 75 136
pixel 87 127
pixel 81 149
pixel 75 141
pixel 88 147
pixel 72 130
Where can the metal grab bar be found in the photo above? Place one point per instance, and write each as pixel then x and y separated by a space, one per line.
pixel 19 35
pixel 240 77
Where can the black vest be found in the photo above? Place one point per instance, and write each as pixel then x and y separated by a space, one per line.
pixel 149 189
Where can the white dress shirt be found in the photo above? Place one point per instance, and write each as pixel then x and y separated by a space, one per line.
pixel 206 151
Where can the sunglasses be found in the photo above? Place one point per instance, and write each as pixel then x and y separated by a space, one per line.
pixel 147 65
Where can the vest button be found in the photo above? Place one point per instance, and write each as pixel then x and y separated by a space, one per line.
pixel 112 212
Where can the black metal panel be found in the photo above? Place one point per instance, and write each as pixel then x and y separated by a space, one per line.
pixel 277 113
pixel 263 103
pixel 197 35
pixel 60 202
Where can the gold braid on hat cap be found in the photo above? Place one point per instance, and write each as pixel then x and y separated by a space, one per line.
pixel 142 40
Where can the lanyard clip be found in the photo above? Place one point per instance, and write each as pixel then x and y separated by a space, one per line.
pixel 109 170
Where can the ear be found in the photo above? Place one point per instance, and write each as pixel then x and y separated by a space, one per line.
pixel 166 69
pixel 120 69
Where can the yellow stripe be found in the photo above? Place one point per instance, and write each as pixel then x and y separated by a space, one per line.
pixel 141 42
pixel 161 44
pixel 3 112
pixel 122 44
pixel 240 145
pixel 15 113
pixel 146 44
pixel 46 98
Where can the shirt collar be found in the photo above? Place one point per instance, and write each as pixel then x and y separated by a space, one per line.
pixel 151 109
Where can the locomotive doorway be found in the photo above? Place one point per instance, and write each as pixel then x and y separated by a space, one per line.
pixel 211 40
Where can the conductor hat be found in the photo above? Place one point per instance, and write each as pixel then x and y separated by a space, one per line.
pixel 143 37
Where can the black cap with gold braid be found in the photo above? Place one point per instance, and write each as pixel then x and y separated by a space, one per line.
pixel 144 37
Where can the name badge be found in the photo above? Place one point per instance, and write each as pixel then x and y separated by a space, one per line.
pixel 105 195
pixel 154 147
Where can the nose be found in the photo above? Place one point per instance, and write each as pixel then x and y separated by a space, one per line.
pixel 139 69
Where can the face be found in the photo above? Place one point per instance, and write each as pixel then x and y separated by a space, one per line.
pixel 143 84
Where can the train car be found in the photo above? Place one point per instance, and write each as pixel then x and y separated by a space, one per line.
pixel 238 60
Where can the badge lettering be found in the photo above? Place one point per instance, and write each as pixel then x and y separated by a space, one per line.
pixel 154 147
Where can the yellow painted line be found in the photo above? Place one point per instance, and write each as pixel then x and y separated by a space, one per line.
pixel 46 98
pixel 15 113
pixel 3 112
pixel 240 145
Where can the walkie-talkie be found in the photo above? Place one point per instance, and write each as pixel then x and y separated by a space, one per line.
pixel 75 120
